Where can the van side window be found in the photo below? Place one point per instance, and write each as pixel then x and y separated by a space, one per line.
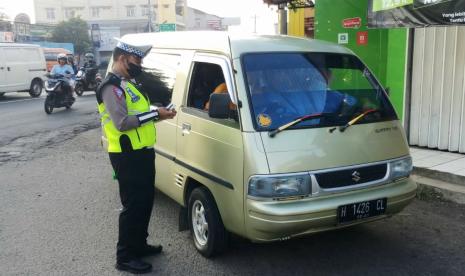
pixel 159 76
pixel 207 78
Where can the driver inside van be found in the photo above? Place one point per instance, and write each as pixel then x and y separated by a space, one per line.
pixel 220 88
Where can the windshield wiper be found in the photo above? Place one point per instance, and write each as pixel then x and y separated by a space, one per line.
pixel 272 133
pixel 354 120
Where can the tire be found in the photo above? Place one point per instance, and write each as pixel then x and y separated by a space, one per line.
pixel 207 229
pixel 48 106
pixel 36 88
pixel 78 89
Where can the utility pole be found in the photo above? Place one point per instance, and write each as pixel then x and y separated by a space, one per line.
pixel 255 23
pixel 282 19
pixel 150 17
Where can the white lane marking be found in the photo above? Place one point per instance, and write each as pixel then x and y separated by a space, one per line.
pixel 15 101
pixel 39 98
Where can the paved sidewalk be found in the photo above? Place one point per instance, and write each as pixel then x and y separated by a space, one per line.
pixel 441 161
pixel 443 172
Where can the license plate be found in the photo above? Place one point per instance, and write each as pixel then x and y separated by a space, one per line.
pixel 361 210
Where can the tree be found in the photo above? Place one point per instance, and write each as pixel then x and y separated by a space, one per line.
pixel 73 31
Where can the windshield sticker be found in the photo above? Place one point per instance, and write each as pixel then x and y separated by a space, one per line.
pixel 264 120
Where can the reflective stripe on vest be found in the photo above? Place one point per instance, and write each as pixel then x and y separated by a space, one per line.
pixel 143 136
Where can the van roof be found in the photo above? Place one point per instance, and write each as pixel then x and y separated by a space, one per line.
pixel 232 44
pixel 7 44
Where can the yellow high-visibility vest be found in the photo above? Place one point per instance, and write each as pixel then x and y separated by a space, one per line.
pixel 143 136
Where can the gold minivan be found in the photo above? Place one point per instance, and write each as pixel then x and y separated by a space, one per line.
pixel 275 136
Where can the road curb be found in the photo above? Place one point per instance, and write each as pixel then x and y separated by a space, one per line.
pixel 432 188
pixel 438 175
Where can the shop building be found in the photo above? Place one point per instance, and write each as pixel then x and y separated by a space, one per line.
pixel 416 48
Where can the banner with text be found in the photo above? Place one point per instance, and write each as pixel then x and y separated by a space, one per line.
pixel 415 13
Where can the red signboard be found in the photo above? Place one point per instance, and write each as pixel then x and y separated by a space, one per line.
pixel 353 23
pixel 362 38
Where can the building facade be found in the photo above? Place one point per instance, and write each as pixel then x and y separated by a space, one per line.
pixel 112 18
pixel 129 15
pixel 199 20
pixel 423 67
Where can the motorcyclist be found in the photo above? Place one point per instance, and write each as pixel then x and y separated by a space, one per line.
pixel 64 69
pixel 71 63
pixel 90 67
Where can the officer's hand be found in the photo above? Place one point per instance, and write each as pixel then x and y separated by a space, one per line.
pixel 164 113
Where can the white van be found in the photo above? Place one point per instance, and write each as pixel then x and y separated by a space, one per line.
pixel 22 68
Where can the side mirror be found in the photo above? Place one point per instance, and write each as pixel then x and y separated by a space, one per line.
pixel 219 105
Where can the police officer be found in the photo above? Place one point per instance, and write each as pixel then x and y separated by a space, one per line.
pixel 128 125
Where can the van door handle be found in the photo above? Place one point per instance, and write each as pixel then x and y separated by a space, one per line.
pixel 1 68
pixel 8 68
pixel 186 128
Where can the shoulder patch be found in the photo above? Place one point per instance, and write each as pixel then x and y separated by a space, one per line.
pixel 118 92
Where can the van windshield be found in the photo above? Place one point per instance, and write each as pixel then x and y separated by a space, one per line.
pixel 286 86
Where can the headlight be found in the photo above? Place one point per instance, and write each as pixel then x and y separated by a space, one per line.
pixel 280 186
pixel 401 168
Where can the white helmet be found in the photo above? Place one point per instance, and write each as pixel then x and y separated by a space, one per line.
pixel 62 56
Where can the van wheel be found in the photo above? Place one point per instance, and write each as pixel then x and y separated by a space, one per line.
pixel 207 230
pixel 36 88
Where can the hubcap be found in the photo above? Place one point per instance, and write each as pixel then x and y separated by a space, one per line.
pixel 199 223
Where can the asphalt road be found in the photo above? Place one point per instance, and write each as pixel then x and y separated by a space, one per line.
pixel 24 125
pixel 59 209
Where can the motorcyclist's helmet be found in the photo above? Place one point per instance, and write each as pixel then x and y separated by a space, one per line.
pixel 89 56
pixel 70 59
pixel 62 57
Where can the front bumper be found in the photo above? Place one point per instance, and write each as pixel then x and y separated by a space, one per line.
pixel 281 220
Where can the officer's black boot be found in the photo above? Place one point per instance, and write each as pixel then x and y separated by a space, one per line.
pixel 136 266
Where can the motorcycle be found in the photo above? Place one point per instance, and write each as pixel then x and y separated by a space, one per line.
pixel 85 80
pixel 59 93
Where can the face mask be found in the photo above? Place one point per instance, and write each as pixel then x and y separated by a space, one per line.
pixel 134 70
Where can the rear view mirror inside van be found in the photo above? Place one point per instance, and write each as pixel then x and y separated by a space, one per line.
pixel 219 105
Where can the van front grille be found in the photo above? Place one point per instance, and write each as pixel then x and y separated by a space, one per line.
pixel 349 177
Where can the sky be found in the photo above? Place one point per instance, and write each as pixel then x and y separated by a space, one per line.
pixel 13 7
pixel 255 16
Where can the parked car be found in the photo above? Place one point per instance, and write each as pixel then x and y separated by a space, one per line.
pixel 303 139
pixel 22 68
pixel 51 55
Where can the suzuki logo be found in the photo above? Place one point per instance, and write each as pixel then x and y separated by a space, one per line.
pixel 356 176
